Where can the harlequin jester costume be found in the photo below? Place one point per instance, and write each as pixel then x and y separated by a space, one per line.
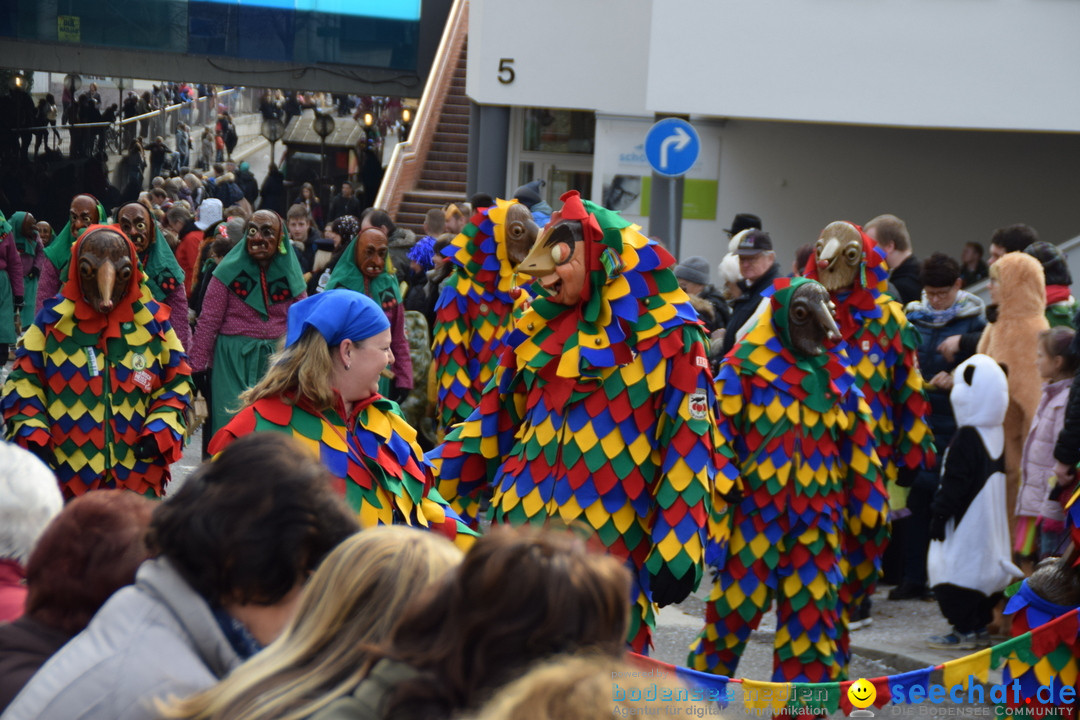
pixel 474 314
pixel 372 451
pixel 882 348
pixel 54 271
pixel 90 387
pixel 803 447
pixel 243 316
pixel 601 414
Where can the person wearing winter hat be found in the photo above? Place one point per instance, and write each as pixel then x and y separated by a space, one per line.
pixel 758 266
pixel 209 212
pixel 693 277
pixel 1061 306
pixel 743 221
pixel 529 196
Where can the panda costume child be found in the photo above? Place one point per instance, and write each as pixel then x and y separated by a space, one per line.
pixel 970 559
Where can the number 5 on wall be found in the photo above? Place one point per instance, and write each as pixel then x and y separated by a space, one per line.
pixel 506 70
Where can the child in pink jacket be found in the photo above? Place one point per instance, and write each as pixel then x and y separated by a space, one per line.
pixel 1040 520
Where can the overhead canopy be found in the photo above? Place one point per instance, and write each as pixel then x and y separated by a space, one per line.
pixel 369 47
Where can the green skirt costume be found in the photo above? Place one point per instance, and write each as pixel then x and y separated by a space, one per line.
pixel 8 334
pixel 239 363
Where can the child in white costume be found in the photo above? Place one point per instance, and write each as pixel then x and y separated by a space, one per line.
pixel 970 559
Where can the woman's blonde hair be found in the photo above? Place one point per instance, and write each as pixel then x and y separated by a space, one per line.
pixel 301 370
pixel 583 687
pixel 349 605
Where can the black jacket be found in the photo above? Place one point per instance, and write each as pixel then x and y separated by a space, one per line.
pixel 742 309
pixel 905 277
pixel 342 205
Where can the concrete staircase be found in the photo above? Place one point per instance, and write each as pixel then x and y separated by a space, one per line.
pixel 442 174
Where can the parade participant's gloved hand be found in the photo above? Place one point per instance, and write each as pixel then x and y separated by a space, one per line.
pixel 734 496
pixel 398 395
pixel 146 448
pixel 201 380
pixel 34 272
pixel 937 527
pixel 44 454
pixel 667 589
pixel 905 477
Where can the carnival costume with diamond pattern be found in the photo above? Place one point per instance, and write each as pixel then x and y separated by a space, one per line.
pixel 474 315
pixel 601 415
pixel 882 347
pixel 373 457
pixel 804 449
pixel 89 386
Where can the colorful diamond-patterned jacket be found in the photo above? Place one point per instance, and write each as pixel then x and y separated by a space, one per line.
pixel 804 451
pixel 90 386
pixel 883 349
pixel 473 316
pixel 373 457
pixel 601 415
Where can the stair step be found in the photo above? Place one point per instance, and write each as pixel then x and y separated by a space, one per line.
pixel 443 166
pixel 456 146
pixel 442 175
pixel 448 156
pixel 443 185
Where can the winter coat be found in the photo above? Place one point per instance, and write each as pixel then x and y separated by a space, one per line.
pixel 970 317
pixel 187 255
pixel 1037 464
pixel 12 590
pixel 399 244
pixel 369 700
pixel 150 640
pixel 1013 339
pixel 744 307
pixel 712 308
pixel 25 645
pixel 905 277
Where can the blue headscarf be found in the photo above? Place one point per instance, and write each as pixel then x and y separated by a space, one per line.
pixel 338 315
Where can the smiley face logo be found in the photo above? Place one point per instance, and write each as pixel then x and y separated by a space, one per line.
pixel 862 693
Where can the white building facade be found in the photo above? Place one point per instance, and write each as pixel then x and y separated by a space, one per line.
pixel 959 116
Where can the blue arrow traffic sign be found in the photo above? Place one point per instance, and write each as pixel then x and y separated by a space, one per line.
pixel 672 146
